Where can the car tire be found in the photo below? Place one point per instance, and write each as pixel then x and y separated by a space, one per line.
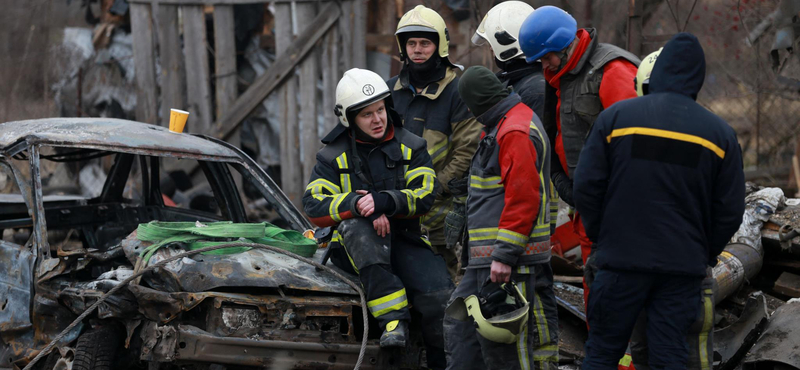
pixel 49 362
pixel 97 349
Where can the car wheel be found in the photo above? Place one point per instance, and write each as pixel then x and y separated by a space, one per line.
pixel 97 349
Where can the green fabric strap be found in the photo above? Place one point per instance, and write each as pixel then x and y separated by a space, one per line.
pixel 196 235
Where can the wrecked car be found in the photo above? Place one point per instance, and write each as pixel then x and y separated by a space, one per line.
pixel 65 245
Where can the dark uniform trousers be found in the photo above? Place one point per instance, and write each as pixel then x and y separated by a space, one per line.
pixel 537 346
pixel 397 271
pixel 671 303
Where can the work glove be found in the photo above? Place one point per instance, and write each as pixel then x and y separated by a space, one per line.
pixel 384 204
pixel 459 187
pixel 563 185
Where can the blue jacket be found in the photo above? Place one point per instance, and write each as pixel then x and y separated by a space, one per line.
pixel 659 184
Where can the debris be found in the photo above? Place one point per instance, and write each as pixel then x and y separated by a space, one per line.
pixel 732 342
pixel 788 284
pixel 780 343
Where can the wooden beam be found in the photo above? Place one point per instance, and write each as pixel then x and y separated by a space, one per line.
pixel 359 34
pixel 346 33
pixel 225 58
pixel 788 284
pixel 218 2
pixel 173 76
pixel 144 63
pixel 309 137
pixel 635 27
pixel 291 169
pixel 198 87
pixel 330 77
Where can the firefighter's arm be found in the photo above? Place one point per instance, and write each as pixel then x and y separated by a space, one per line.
pixel 464 141
pixel 728 204
pixel 520 180
pixel 591 176
pixel 421 187
pixel 617 82
pixel 323 201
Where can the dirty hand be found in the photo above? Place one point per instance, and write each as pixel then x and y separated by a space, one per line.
pixel 500 272
pixel 366 205
pixel 382 226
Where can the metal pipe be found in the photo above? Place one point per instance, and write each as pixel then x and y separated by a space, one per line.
pixel 736 264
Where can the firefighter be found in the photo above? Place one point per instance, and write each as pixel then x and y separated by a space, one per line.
pixel 701 333
pixel 509 232
pixel 372 181
pixel 425 94
pixel 660 188
pixel 584 77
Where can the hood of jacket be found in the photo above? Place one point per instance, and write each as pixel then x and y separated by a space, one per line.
pixel 680 68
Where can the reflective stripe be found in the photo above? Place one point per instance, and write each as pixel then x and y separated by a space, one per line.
pixel 514 238
pixel 626 360
pixel 318 185
pixel 337 238
pixel 541 230
pixel 388 303
pixel 406 155
pixel 419 171
pixel 667 135
pixel 522 340
pixel 480 251
pixel 344 178
pixel 541 320
pixel 439 151
pixel 708 321
pixel 485 183
pixel 546 354
pixel 489 233
pixel 334 207
pixel 412 204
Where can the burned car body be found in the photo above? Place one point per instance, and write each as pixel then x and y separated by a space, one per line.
pixel 61 252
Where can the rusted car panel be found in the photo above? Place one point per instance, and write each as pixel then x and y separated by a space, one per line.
pixel 15 293
pixel 779 346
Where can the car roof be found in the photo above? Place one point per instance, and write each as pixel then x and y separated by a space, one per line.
pixel 109 134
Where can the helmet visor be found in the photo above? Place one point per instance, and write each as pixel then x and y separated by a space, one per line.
pixel 478 39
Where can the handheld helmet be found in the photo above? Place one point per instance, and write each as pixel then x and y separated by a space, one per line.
pixel 422 19
pixel 547 29
pixel 357 89
pixel 499 311
pixel 500 27
pixel 642 80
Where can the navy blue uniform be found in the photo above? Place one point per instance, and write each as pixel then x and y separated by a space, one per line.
pixel 660 188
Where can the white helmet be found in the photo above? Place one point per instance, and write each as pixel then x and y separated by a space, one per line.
pixel 357 89
pixel 500 27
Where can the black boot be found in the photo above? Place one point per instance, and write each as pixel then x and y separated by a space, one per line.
pixel 395 334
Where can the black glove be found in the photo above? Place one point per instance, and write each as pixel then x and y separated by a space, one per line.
pixel 383 204
pixel 458 187
pixel 563 185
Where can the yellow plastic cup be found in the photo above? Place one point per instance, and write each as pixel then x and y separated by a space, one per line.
pixel 177 120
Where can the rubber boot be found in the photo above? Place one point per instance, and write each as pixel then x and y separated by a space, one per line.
pixel 395 334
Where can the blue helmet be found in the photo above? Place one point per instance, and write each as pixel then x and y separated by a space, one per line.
pixel 546 30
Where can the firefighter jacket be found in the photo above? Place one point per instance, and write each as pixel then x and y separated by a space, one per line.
pixel 399 165
pixel 596 76
pixel 660 184
pixel 438 115
pixel 509 190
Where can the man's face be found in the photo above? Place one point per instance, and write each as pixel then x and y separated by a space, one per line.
pixel 419 49
pixel 372 120
pixel 551 61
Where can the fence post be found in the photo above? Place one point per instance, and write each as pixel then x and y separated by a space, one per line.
pixel 144 62
pixel 197 70
pixel 635 27
pixel 173 77
pixel 291 180
pixel 360 34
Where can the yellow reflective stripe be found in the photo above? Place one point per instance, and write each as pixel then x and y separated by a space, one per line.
pixel 541 319
pixel 337 238
pixel 512 237
pixel 667 135
pixel 546 354
pixel 708 321
pixel 625 361
pixel 317 186
pixel 540 230
pixel 426 241
pixel 485 183
pixel 388 303
pixel 410 199
pixel 344 178
pixel 406 155
pixel 439 150
pixel 334 206
pixel 489 233
pixel 524 269
pixel 419 171
pixel 522 341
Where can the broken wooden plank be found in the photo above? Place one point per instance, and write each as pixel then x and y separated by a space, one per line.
pixel 144 63
pixel 788 284
pixel 309 138
pixel 173 76
pixel 198 87
pixel 283 67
